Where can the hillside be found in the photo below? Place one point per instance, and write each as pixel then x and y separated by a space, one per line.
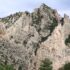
pixel 28 38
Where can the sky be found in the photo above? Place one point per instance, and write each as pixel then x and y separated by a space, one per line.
pixel 8 7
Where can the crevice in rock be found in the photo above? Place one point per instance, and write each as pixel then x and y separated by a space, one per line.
pixel 67 41
pixel 44 38
pixel 62 21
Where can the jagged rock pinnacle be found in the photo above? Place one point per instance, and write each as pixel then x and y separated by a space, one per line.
pixel 32 37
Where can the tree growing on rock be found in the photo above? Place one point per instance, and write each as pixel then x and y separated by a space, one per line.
pixel 46 65
pixel 65 67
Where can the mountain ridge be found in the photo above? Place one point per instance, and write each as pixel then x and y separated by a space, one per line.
pixel 32 37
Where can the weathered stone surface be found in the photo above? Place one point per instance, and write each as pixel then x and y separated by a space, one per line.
pixel 32 37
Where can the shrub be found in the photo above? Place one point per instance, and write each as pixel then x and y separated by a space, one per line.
pixel 53 25
pixel 65 67
pixel 6 67
pixel 46 65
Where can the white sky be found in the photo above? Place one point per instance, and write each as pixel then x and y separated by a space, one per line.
pixel 11 6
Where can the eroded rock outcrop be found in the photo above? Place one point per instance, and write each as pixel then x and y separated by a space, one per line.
pixel 32 37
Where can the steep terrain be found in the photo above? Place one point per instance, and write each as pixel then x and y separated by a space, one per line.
pixel 28 38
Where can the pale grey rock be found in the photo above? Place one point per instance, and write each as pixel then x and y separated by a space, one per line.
pixel 32 37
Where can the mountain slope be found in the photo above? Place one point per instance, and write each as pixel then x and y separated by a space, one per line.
pixel 28 38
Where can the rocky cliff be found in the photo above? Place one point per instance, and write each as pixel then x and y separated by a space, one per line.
pixel 28 38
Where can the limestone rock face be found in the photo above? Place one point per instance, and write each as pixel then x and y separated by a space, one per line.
pixel 2 29
pixel 53 48
pixel 29 38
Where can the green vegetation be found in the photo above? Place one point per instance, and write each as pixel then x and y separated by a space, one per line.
pixel 6 67
pixel 46 65
pixel 36 17
pixel 9 19
pixel 53 24
pixel 45 6
pixel 65 67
